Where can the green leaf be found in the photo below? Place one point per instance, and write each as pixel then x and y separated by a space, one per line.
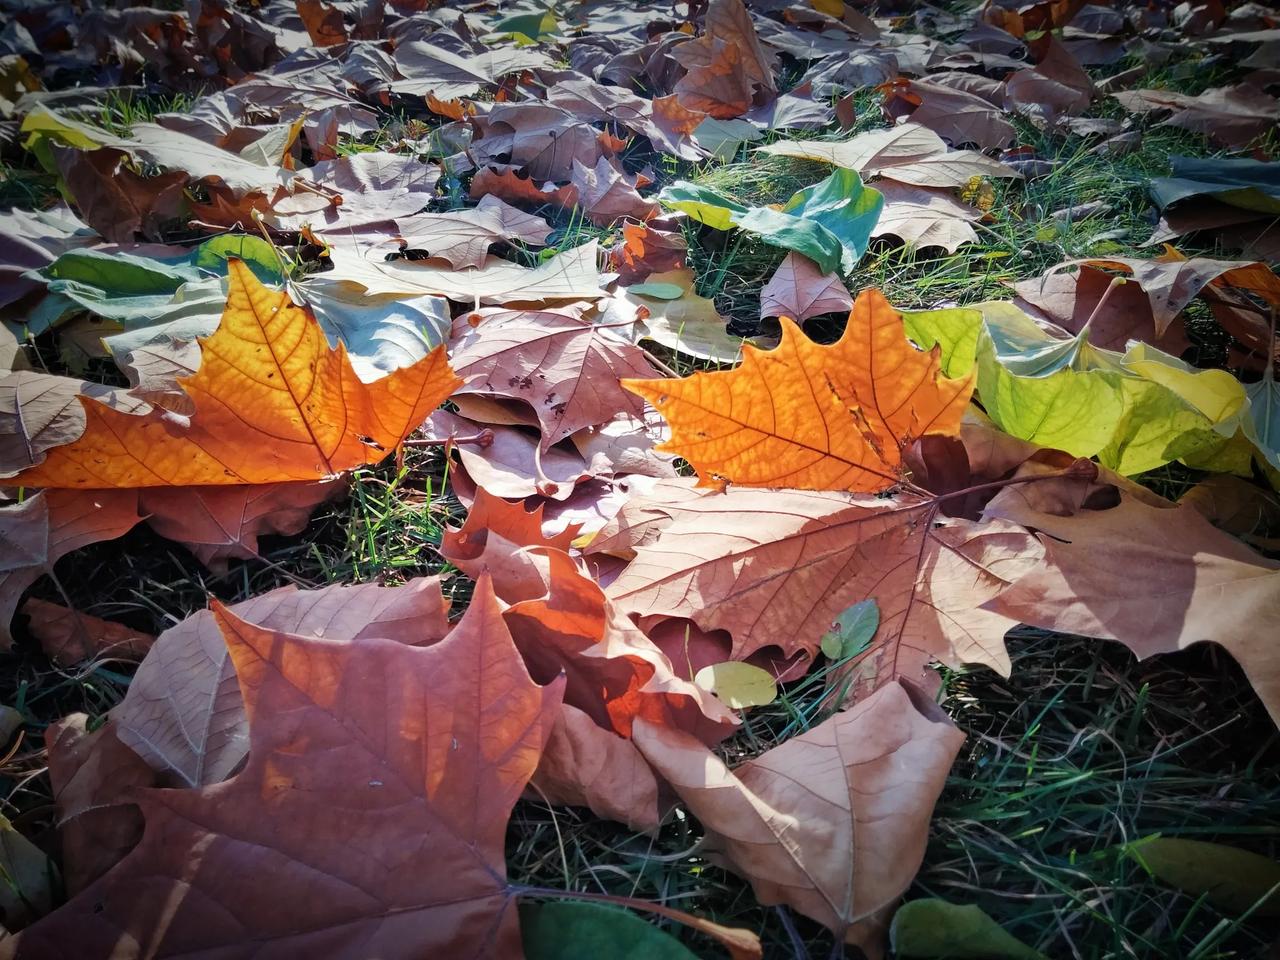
pixel 702 204
pixel 528 26
pixel 27 878
pixel 259 255
pixel 936 928
pixel 737 684
pixel 852 631
pixel 576 930
pixel 1262 425
pixel 846 208
pixel 1232 879
pixel 1134 411
pixel 790 232
pixel 659 291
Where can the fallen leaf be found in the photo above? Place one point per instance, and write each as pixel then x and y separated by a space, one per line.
pixel 69 636
pixel 494 524
pixel 851 631
pixel 272 402
pixel 936 928
pixel 29 878
pixel 218 524
pixel 555 930
pixel 1095 559
pixel 688 324
pixel 834 821
pixel 93 777
pixel 645 250
pixel 1237 881
pixel 954 115
pixel 184 712
pixel 803 435
pixel 567 370
pixel 463 237
pixel 37 532
pixel 1233 116
pixel 907 153
pixel 606 193
pixel 924 217
pixel 799 290
pixel 375 770
pixel 585 765
pixel 739 685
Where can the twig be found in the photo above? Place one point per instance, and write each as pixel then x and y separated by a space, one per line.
pixel 482 439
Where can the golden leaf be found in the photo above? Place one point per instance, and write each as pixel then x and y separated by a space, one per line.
pixel 272 402
pixel 810 416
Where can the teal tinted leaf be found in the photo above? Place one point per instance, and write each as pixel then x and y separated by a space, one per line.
pixel 852 631
pixel 846 208
pixel 1248 184
pixel 936 928
pixel 261 257
pixel 806 237
pixel 576 930
pixel 702 204
pixel 658 290
pixel 1262 424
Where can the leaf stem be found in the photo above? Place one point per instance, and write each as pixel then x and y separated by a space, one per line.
pixel 482 439
pixel 1083 335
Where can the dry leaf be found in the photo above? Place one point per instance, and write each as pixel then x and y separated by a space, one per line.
pixel 272 402
pixel 368 819
pixel 69 636
pixel 184 714
pixel 37 532
pixel 809 416
pixel 463 237
pixel 834 821
pixel 799 290
pixel 924 217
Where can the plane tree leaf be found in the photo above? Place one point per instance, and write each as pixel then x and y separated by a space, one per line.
pixel 799 290
pixel 272 402
pixel 1133 411
pixel 857 790
pixel 368 819
pixel 936 928
pixel 810 416
pixel 830 222
pixel 1235 879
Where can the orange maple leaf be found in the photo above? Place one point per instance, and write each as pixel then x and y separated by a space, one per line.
pixel 272 402
pixel 809 416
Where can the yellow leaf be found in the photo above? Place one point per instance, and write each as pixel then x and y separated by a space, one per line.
pixel 737 684
pixel 809 416
pixel 272 402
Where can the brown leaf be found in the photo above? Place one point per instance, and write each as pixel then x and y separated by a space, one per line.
pixel 510 186
pixel 323 22
pixel 368 820
pixel 114 200
pixel 37 532
pixel 585 765
pixel 463 237
pixel 40 411
pixel 218 524
pixel 799 290
pixel 566 369
pixel 497 525
pixel 834 821
pixel 538 138
pixel 606 193
pixel 954 115
pixel 1195 582
pixel 94 778
pixel 1238 507
pixel 728 66
pixel 1233 116
pixel 645 250
pixel 805 557
pixel 924 217
pixel 907 153
pixel 184 714
pixel 1057 86
pixel 69 636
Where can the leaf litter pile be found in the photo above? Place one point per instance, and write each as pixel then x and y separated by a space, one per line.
pixel 499 480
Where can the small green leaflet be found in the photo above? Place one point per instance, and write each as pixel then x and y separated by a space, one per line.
pixel 1232 879
pixel 659 291
pixel 738 685
pixel 852 631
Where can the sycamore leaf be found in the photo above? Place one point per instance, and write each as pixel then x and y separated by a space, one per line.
pixel 69 636
pixel 272 402
pixel 1187 572
pixel 687 323
pixel 34 534
pixel 810 416
pixel 368 818
pixel 907 153
pixel 565 368
pixel 463 237
pixel 805 557
pixel 924 217
pixel 833 822
pixel 799 290
pixel 184 713
pixel 494 525
pixel 829 222
pixel 1134 412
